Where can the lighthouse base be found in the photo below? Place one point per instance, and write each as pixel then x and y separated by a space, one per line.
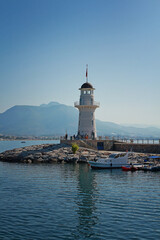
pixel 92 144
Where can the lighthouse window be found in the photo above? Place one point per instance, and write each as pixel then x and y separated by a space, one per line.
pixel 89 92
pixel 84 92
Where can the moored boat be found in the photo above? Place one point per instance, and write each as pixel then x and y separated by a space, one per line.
pixel 129 168
pixel 153 168
pixel 116 160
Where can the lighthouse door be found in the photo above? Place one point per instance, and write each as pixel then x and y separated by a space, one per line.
pixel 100 145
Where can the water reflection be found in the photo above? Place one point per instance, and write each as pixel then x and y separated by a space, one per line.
pixel 86 202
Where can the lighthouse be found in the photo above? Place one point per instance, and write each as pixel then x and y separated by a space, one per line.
pixel 87 107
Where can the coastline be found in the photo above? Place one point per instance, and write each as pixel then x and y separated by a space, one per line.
pixel 28 139
pixel 58 153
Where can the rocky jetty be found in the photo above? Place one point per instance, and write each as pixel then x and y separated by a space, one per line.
pixel 50 153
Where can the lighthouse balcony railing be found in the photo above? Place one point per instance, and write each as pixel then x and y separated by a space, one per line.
pixel 94 103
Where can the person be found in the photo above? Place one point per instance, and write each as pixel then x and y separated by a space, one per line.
pixel 66 136
pixel 86 136
pixel 92 135
pixel 131 165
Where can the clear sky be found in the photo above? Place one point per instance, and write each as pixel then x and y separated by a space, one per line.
pixel 46 44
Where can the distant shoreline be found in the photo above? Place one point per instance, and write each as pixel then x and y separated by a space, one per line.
pixel 29 139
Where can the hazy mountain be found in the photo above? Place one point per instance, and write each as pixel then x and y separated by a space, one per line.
pixel 46 119
pixel 128 131
pixel 55 119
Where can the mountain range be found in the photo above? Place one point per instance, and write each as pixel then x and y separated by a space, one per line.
pixel 55 119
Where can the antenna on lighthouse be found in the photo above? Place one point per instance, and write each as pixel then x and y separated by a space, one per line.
pixel 86 72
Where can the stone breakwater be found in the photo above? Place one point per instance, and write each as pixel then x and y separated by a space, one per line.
pixel 50 153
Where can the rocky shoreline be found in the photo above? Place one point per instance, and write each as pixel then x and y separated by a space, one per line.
pixel 51 153
pixel 47 153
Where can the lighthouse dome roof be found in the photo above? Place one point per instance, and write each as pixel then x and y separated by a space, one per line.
pixel 86 85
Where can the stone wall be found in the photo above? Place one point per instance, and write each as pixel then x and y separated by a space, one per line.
pixel 110 145
pixel 137 147
pixel 87 143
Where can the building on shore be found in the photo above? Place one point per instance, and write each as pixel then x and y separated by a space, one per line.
pixel 87 106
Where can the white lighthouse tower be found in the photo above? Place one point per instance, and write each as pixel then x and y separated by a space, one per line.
pixel 87 107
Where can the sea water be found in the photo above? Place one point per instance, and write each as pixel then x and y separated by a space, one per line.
pixel 8 145
pixel 71 201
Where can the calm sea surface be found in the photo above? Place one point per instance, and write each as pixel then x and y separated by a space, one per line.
pixel 8 145
pixel 71 201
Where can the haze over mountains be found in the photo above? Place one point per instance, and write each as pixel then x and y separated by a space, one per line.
pixel 55 119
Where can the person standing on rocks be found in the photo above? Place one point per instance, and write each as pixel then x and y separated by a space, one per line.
pixel 66 136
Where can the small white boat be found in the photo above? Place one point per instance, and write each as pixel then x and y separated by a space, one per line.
pixel 116 160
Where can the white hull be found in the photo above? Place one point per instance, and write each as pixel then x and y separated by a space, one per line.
pixel 105 166
pixel 110 163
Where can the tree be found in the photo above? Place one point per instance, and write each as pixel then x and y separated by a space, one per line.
pixel 74 148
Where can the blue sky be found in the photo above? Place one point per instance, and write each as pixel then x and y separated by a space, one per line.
pixel 46 44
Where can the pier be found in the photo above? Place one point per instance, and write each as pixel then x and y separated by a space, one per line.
pixel 141 146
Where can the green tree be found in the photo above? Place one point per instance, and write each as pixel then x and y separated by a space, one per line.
pixel 74 148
